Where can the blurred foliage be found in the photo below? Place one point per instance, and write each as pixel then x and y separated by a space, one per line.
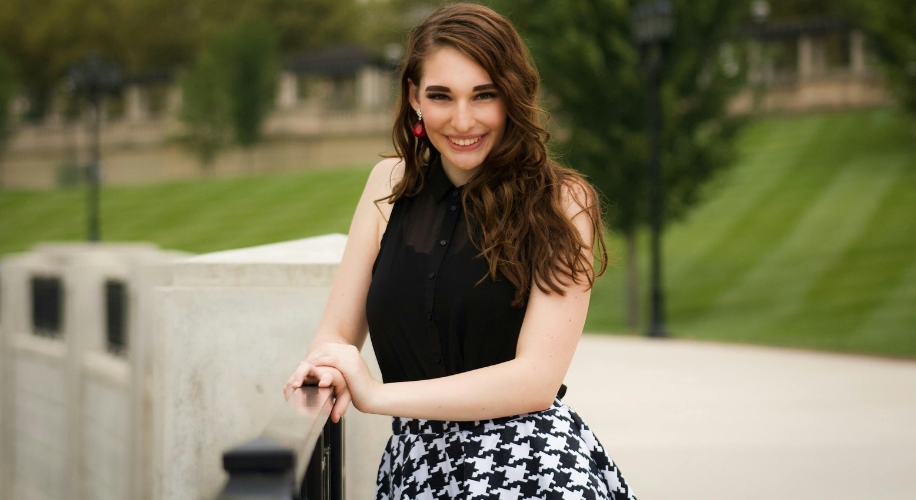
pixel 299 24
pixel 205 108
pixel 231 88
pixel 248 51
pixel 596 88
pixel 788 9
pixel 7 92
pixel 891 25
pixel 44 38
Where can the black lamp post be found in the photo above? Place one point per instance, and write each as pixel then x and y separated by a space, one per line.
pixel 93 78
pixel 652 26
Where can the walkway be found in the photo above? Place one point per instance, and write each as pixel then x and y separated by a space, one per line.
pixel 695 420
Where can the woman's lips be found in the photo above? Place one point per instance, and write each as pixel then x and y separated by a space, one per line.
pixel 465 143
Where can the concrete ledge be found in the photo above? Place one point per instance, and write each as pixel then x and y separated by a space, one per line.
pixel 309 262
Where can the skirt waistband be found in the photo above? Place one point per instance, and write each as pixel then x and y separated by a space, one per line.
pixel 401 425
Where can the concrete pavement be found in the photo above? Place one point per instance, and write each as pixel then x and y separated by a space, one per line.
pixel 697 420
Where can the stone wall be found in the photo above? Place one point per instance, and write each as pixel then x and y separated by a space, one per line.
pixel 145 152
pixel 68 428
pixel 211 341
pixel 229 332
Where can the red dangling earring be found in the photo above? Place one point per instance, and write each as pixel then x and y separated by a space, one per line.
pixel 419 130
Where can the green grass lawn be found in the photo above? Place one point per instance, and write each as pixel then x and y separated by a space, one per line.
pixel 809 241
pixel 198 216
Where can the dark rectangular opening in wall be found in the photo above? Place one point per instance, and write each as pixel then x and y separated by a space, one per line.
pixel 47 306
pixel 116 316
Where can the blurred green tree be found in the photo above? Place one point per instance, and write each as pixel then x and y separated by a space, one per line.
pixel 249 54
pixel 205 108
pixel 8 87
pixel 45 37
pixel 789 9
pixel 232 87
pixel 891 25
pixel 158 35
pixel 595 86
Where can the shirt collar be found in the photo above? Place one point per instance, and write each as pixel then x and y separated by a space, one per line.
pixel 439 184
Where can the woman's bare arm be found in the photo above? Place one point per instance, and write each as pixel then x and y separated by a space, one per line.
pixel 344 318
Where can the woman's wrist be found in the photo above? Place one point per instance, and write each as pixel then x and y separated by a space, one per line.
pixel 321 339
pixel 376 398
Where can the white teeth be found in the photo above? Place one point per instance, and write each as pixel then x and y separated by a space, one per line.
pixel 465 142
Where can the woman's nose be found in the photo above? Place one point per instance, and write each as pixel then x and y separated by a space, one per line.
pixel 463 118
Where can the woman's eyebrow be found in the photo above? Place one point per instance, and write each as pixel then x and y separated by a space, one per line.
pixel 440 88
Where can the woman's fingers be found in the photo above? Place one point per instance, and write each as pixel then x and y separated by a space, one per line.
pixel 291 385
pixel 298 378
pixel 326 377
pixel 340 405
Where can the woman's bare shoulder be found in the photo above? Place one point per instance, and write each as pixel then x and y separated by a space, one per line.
pixel 384 177
pixel 577 195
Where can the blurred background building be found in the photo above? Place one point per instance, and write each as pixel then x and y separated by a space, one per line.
pixel 332 107
pixel 331 104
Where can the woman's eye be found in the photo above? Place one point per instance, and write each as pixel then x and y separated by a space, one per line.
pixel 487 95
pixel 437 97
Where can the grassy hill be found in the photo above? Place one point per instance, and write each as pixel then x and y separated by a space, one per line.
pixel 199 216
pixel 810 241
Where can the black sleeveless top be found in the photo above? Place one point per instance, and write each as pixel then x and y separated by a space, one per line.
pixel 427 315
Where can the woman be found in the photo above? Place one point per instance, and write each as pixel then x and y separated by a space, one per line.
pixel 470 261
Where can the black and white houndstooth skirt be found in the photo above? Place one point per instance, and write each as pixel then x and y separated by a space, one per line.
pixel 550 454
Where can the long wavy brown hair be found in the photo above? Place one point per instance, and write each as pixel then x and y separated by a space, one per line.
pixel 516 202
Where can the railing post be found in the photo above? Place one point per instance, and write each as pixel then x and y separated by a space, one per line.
pixel 259 469
pixel 324 477
pixel 299 456
pixel 338 478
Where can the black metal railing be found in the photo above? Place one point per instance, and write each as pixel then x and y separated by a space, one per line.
pixel 299 456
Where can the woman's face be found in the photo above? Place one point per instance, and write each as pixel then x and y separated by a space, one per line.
pixel 463 113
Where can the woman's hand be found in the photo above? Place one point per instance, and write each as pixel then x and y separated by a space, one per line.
pixel 345 359
pixel 322 376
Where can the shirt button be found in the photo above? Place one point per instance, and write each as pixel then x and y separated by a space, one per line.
pixel 429 316
pixel 454 207
pixel 454 193
pixel 442 242
pixel 432 275
pixel 438 359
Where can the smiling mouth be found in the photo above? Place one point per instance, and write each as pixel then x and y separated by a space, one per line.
pixel 465 142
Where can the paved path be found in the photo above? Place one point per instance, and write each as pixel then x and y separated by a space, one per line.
pixel 696 420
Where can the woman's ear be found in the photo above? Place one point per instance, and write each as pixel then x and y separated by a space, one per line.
pixel 412 94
